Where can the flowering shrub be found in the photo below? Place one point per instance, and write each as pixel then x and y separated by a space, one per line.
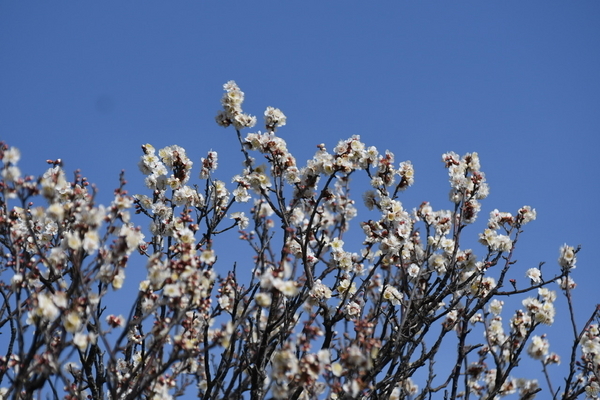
pixel 306 317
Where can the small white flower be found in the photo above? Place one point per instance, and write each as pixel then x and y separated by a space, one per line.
pixel 567 257
pixel 207 257
pixel 90 241
pixel 172 290
pixel 288 288
pixel 185 235
pixel 392 295
pixel 337 369
pixel 11 155
pixel 337 245
pixel 345 286
pixel 320 290
pixel 538 347
pixel 263 299
pixel 118 279
pixel 72 321
pixel 16 280
pixel 413 270
pixel 73 240
pixel 274 118
pixel 534 274
pixel 496 306
pixel 241 219
pixel 352 309
pixel 527 214
pixel 46 307
pixel 81 340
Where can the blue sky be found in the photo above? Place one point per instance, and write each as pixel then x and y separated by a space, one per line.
pixel 518 82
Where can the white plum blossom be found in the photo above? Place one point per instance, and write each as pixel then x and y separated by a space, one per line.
pixel 495 241
pixel 481 287
pixel 185 235
pixel 534 274
pixel 73 240
pixel 263 299
pixel 284 364
pixel 12 155
pixel 82 340
pixel 133 237
pixel 208 257
pixel 91 241
pixel 72 321
pixel 413 270
pixel 241 219
pixel 543 312
pixel 337 245
pixel 320 291
pixel 11 173
pixel 592 391
pixel 496 306
pixel 172 290
pixel 118 279
pixel 566 283
pixel 209 164
pixel 185 195
pixel 527 214
pixel 274 119
pixel 352 309
pixel 438 262
pixel 567 257
pixel 392 295
pixel 241 194
pixel 288 288
pixel 345 287
pixel 538 347
pixel 44 309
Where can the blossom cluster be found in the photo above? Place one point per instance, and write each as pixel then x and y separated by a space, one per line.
pixel 232 113
pixel 302 313
pixel 54 254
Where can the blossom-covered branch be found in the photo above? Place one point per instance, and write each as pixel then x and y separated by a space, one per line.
pixel 307 316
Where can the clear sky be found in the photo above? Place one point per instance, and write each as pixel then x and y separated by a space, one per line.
pixel 518 82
